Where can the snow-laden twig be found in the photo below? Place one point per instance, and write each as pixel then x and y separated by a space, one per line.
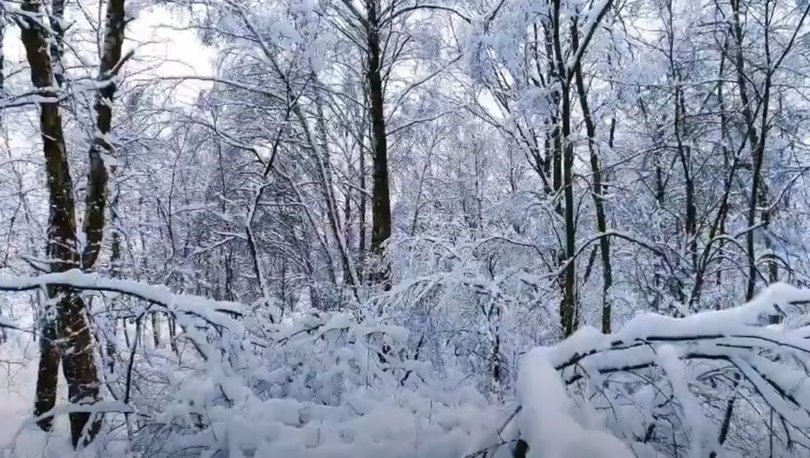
pixel 211 311
pixel 715 355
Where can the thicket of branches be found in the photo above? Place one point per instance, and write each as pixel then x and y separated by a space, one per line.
pixel 378 195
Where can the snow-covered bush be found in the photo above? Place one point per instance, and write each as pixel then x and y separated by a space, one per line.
pixel 717 383
pixel 316 384
pixel 235 383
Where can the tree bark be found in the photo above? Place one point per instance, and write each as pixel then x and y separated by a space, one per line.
pixel 69 325
pixel 567 64
pixel 753 141
pixel 97 175
pixel 598 195
pixel 57 18
pixel 381 200
pixel 568 306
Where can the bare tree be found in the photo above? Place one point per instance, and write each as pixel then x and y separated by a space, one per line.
pixel 68 320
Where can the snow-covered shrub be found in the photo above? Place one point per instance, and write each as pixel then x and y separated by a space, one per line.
pixel 472 304
pixel 317 384
pixel 236 383
pixel 717 383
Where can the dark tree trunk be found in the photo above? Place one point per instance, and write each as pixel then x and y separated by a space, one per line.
pixel 753 141
pixel 115 272
pixel 48 371
pixel 361 232
pixel 79 367
pixel 69 325
pixel 566 69
pixel 2 57
pixel 381 203
pixel 568 307
pixel 97 175
pixel 598 195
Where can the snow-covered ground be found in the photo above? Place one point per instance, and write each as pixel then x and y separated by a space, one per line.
pixel 19 437
pixel 19 358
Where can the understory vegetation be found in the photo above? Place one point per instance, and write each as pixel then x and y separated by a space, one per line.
pixel 406 228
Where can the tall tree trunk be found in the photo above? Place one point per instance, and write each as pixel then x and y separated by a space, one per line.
pixel 362 210
pixel 567 64
pixel 333 208
pixel 97 175
pixel 598 195
pixel 2 57
pixel 568 307
pixel 84 369
pixel 753 141
pixel 70 322
pixel 115 272
pixel 727 159
pixel 48 371
pixel 759 182
pixel 381 199
pixel 684 151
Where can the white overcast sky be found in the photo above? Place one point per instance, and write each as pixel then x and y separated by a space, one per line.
pixel 162 48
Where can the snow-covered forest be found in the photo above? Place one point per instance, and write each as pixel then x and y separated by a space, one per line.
pixel 405 228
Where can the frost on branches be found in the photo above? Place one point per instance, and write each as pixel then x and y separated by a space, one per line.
pixel 717 383
pixel 236 384
pixel 342 231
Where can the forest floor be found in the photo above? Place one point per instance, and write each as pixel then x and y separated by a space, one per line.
pixel 19 437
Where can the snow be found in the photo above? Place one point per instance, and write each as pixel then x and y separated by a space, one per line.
pixel 546 421
pixel 314 360
pixel 698 428
pixel 19 437
pixel 315 385
pixel 770 358
pixel 214 312
pixel 317 389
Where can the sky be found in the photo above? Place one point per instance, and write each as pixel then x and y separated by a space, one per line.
pixel 163 47
pixel 159 37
